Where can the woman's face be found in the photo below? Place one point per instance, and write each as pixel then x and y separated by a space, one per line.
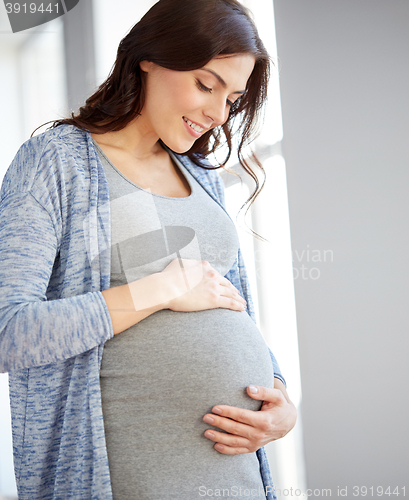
pixel 180 106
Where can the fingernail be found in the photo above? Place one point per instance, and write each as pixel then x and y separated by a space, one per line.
pixel 253 389
pixel 217 410
pixel 210 434
pixel 219 447
pixel 208 419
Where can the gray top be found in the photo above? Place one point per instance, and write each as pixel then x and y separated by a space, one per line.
pixel 159 377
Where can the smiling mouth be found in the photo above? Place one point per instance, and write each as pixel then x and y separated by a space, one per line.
pixel 194 126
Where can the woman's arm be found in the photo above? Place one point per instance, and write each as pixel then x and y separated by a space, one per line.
pixel 35 331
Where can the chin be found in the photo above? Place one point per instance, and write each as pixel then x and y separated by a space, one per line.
pixel 178 147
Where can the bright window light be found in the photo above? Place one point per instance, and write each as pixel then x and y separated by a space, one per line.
pixel 269 265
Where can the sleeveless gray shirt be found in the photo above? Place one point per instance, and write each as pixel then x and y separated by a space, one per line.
pixel 162 375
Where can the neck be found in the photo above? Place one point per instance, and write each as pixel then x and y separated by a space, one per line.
pixel 136 139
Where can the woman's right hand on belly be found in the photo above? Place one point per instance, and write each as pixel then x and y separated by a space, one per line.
pixel 184 285
pixel 194 285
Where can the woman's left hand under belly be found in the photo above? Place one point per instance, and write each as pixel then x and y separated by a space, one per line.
pixel 245 430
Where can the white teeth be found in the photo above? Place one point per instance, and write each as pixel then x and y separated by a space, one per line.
pixel 194 126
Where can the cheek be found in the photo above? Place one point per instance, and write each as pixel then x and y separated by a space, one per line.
pixel 182 92
pixel 172 95
pixel 182 98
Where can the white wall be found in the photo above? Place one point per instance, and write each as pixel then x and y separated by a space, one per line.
pixel 11 135
pixel 112 21
pixel 344 86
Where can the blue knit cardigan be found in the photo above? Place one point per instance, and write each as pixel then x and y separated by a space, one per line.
pixel 54 226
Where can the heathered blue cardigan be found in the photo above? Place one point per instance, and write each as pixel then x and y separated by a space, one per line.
pixel 54 226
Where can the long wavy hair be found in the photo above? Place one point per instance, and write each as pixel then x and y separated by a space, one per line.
pixel 184 35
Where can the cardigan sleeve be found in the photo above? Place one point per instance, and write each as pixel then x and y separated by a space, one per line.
pixel 35 331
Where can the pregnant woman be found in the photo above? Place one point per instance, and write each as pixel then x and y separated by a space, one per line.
pixel 136 368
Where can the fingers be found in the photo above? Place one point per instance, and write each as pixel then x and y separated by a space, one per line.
pixel 233 304
pixel 229 445
pixel 241 415
pixel 195 285
pixel 237 439
pixel 227 450
pixel 245 431
pixel 224 282
pixel 242 425
pixel 212 274
pixel 265 394
pixel 228 295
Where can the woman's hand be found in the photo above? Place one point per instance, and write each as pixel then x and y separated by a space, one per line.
pixel 194 285
pixel 245 430
pixel 184 285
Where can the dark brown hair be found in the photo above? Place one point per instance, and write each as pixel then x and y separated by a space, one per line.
pixel 184 35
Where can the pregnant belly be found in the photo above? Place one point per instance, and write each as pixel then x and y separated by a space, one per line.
pixel 199 358
pixel 158 380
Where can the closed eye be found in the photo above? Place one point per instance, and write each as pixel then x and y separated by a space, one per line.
pixel 234 105
pixel 202 87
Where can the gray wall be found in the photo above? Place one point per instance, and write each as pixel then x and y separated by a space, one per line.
pixel 79 54
pixel 345 85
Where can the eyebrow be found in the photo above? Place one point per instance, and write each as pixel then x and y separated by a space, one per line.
pixel 222 82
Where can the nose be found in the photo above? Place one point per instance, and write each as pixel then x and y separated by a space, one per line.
pixel 217 111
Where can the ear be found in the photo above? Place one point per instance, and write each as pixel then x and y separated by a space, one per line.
pixel 145 66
